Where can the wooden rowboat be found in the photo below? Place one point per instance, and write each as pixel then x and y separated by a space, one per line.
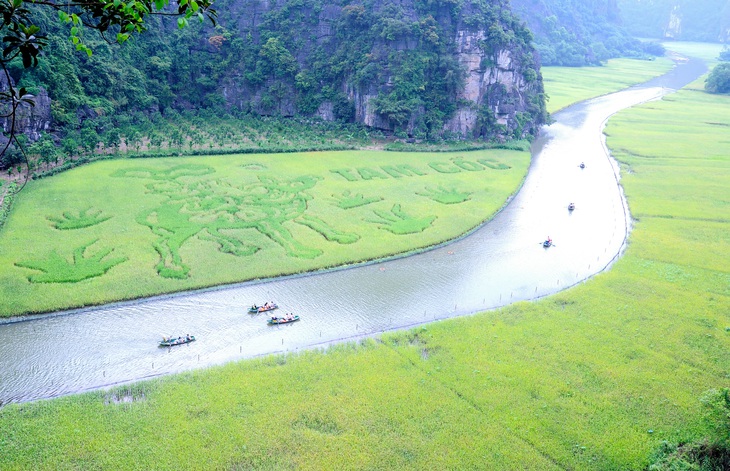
pixel 258 309
pixel 172 341
pixel 281 320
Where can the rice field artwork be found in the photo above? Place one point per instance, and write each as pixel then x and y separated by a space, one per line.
pixel 84 218
pixel 208 207
pixel 398 222
pixel 126 229
pixel 350 200
pixel 445 195
pixel 82 265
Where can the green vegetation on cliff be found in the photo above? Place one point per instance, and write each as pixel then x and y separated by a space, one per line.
pixel 397 64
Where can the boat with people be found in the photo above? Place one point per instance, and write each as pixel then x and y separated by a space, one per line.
pixel 172 341
pixel 548 242
pixel 582 165
pixel 286 319
pixel 267 306
pixel 571 206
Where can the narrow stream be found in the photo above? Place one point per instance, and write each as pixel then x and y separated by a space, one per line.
pixel 500 263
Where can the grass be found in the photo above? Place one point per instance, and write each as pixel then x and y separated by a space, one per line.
pixel 594 378
pixel 567 85
pixel 123 229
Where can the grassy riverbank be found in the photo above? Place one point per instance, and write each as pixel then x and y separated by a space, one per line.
pixel 592 378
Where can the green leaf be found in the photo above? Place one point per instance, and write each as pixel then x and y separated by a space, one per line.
pixel 182 22
pixel 74 31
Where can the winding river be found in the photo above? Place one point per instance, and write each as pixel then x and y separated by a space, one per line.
pixel 500 263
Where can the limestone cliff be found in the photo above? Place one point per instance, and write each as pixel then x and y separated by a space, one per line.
pixel 405 66
pixel 29 120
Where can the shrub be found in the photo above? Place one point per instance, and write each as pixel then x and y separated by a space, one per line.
pixel 719 79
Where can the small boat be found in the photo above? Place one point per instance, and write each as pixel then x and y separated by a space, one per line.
pixel 582 165
pixel 282 320
pixel 172 341
pixel 547 243
pixel 266 307
pixel 571 206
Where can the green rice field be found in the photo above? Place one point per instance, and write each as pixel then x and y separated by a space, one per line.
pixel 124 229
pixel 593 378
pixel 567 85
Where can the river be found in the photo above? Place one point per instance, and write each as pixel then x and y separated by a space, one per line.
pixel 500 263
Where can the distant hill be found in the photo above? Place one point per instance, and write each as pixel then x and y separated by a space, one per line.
pixel 687 20
pixel 577 32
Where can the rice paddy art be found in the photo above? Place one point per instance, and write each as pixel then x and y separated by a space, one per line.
pixel 399 223
pixel 207 208
pixel 445 195
pixel 84 218
pixel 82 265
pixel 349 200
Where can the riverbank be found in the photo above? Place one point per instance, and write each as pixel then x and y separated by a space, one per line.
pixel 593 378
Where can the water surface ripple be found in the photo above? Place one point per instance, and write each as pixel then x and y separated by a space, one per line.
pixel 500 263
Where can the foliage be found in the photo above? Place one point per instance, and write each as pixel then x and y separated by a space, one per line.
pixel 717 404
pixel 24 41
pixel 271 63
pixel 703 455
pixel 719 79
pixel 725 54
pixel 578 32
pixel 7 201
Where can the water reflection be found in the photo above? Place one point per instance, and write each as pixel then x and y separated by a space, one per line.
pixel 502 262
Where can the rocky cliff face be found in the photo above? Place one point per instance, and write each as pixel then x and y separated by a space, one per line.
pixel 399 66
pixel 29 120
pixel 501 88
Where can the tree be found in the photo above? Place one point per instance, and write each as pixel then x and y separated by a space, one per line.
pixel 22 39
pixel 719 79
